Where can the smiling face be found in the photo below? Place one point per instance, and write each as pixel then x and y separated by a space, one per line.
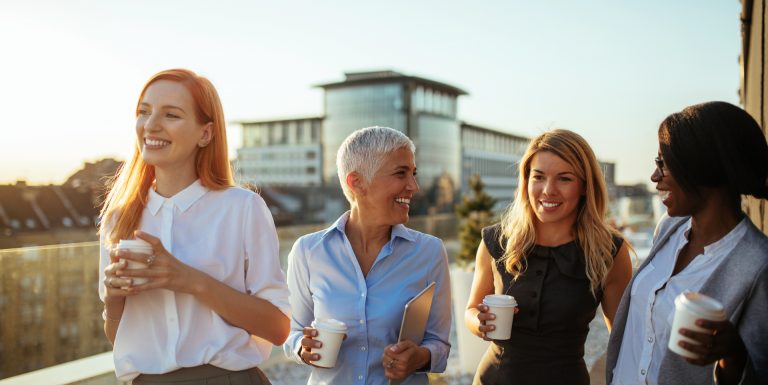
pixel 554 190
pixel 387 198
pixel 678 201
pixel 167 128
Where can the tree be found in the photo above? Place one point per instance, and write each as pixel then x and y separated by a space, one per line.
pixel 475 212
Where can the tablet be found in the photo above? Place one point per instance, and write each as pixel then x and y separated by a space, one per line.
pixel 414 323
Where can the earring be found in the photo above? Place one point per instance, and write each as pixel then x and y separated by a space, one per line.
pixel 202 145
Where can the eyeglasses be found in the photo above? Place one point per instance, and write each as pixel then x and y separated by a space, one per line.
pixel 659 165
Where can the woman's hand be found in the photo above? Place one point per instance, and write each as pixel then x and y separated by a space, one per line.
pixel 721 342
pixel 163 270
pixel 114 283
pixel 307 344
pixel 485 315
pixel 403 358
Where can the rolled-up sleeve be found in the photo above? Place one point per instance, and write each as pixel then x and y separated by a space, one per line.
pixel 264 277
pixel 437 335
pixel 300 300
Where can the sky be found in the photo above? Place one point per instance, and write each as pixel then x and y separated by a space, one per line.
pixel 71 71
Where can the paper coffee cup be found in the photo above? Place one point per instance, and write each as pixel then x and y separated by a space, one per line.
pixel 136 246
pixel 330 332
pixel 690 306
pixel 503 306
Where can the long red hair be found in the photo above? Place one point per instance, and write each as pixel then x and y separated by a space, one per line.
pixel 129 188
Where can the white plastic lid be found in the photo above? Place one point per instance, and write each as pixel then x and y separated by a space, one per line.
pixel 330 324
pixel 705 306
pixel 134 244
pixel 501 300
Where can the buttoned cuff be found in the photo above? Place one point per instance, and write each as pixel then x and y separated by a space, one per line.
pixel 292 348
pixel 438 357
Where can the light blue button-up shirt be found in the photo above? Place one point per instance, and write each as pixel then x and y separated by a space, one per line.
pixel 325 281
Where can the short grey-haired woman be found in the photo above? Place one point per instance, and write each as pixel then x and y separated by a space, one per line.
pixel 365 267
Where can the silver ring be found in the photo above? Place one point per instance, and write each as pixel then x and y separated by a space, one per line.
pixel 150 260
pixel 390 364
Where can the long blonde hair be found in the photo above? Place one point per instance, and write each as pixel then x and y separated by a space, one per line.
pixel 129 188
pixel 592 235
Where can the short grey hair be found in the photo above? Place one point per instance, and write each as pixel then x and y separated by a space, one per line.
pixel 364 150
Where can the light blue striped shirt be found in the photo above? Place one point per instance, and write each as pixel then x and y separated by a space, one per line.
pixel 325 281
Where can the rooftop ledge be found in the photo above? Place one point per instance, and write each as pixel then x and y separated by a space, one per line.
pixel 67 373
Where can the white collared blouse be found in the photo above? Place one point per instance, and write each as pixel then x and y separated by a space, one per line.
pixel 228 234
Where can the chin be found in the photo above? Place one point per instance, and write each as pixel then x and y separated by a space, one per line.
pixel 673 213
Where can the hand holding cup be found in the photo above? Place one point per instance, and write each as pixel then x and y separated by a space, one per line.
pixel 497 322
pixel 688 337
pixel 322 342
pixel 484 315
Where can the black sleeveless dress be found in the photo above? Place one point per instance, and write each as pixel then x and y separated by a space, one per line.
pixel 549 332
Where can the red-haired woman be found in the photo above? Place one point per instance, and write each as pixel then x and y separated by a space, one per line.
pixel 216 297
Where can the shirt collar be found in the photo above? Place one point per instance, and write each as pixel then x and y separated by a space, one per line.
pixel 183 199
pixel 398 230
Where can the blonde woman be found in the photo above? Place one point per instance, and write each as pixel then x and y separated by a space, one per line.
pixel 216 298
pixel 555 254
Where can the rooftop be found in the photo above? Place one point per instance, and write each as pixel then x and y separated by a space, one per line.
pixel 388 76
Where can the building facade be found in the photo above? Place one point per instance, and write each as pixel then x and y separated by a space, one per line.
pixel 753 85
pixel 423 109
pixel 281 153
pixel 494 156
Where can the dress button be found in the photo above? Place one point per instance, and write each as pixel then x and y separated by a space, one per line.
pixel 533 295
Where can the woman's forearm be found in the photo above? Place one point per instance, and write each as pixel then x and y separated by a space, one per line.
pixel 257 316
pixel 113 312
pixel 471 321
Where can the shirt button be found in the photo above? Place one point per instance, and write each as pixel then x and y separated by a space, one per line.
pixel 362 348
pixel 360 378
pixel 650 339
pixel 362 294
pixel 362 321
pixel 642 371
